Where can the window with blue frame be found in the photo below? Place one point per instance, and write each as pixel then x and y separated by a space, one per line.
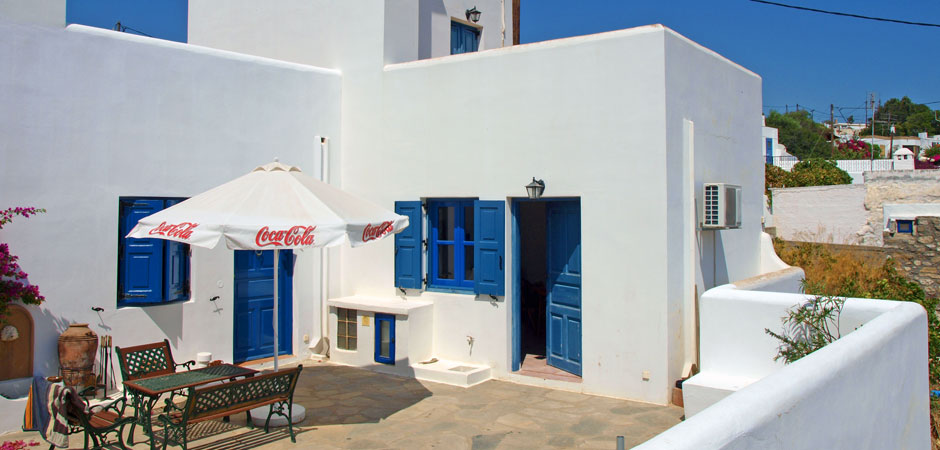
pixel 150 271
pixel 463 38
pixel 905 226
pixel 450 249
pixel 462 252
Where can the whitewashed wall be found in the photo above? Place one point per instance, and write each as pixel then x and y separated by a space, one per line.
pixel 865 390
pixel 566 123
pixel 833 214
pixel 50 13
pixel 89 115
pixel 721 102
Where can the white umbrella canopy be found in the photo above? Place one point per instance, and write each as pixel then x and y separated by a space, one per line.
pixel 273 207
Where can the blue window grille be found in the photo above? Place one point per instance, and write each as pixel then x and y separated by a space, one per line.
pixel 150 271
pixel 451 245
pixel 463 38
pixel 905 226
pixel 769 151
pixel 465 246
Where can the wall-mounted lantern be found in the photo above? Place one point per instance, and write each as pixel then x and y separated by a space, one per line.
pixel 473 14
pixel 535 189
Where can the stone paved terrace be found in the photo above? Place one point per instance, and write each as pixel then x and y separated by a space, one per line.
pixel 361 409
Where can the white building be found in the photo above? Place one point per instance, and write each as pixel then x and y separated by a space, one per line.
pixel 602 273
pixel 774 152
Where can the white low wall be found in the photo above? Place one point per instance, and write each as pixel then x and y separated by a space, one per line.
pixel 834 214
pixel 868 389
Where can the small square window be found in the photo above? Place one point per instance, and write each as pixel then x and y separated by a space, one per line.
pixel 905 226
pixel 346 329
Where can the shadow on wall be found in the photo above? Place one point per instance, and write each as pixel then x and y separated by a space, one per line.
pixel 47 328
pixel 427 8
pixel 713 259
pixel 169 319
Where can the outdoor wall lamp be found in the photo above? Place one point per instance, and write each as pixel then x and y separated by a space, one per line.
pixel 473 14
pixel 535 189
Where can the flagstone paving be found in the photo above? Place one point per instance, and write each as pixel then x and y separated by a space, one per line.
pixel 349 408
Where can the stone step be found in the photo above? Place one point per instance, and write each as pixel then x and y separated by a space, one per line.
pixel 454 373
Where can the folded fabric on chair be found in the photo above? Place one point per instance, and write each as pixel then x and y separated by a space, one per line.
pixel 57 404
pixel 36 416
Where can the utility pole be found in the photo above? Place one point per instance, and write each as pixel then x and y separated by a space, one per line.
pixel 832 127
pixel 871 96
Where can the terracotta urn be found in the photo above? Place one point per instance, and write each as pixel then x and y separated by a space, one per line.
pixel 77 347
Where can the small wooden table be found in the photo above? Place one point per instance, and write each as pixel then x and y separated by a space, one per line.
pixel 146 391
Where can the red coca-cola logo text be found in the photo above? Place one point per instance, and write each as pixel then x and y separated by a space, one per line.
pixel 294 237
pixel 181 230
pixel 371 233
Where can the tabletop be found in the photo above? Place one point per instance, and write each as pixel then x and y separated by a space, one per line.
pixel 165 383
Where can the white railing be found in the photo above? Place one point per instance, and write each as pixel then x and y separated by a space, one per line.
pixel 848 165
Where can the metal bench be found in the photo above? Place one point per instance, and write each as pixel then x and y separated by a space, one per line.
pixel 217 401
pixel 148 360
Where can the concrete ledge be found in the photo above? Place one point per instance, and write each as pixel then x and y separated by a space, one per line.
pixel 454 373
pixel 387 305
pixel 707 388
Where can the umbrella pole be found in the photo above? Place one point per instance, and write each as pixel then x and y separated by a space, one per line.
pixel 276 273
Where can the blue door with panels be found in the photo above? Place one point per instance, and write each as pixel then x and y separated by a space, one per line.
pixel 254 304
pixel 563 302
pixel 385 338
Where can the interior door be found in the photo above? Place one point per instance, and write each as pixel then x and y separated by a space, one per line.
pixel 563 315
pixel 254 304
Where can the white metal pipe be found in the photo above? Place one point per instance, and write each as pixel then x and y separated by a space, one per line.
pixel 324 256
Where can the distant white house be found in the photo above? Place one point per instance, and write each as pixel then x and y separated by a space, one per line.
pixel 772 149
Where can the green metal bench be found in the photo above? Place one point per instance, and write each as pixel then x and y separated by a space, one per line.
pixel 217 401
pixel 148 360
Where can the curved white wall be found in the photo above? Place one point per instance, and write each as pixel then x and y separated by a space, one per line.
pixel 868 389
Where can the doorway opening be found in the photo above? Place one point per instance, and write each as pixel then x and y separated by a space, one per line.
pixel 547 269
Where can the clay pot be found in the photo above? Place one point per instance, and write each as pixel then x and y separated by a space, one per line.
pixel 77 347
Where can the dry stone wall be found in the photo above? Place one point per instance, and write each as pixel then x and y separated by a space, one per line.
pixel 916 254
pixel 915 186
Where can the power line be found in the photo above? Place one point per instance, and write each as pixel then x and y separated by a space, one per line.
pixel 857 16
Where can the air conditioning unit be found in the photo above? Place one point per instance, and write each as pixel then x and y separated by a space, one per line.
pixel 721 206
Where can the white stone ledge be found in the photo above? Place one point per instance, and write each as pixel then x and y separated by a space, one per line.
pixel 387 305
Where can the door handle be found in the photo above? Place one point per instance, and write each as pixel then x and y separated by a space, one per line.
pixel 500 262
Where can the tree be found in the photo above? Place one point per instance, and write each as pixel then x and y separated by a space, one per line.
pixel 908 118
pixel 803 137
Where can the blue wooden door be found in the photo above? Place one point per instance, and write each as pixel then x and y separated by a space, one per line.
pixel 563 318
pixel 385 338
pixel 463 38
pixel 254 304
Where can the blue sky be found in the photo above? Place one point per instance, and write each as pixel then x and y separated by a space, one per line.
pixel 165 19
pixel 804 58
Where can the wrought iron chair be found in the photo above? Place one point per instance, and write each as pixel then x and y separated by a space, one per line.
pixel 98 421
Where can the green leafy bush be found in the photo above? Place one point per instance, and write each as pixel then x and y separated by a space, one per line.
pixel 817 172
pixel 808 327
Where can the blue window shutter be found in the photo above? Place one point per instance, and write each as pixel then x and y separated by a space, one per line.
pixel 176 266
pixel 408 247
pixel 489 246
pixel 463 38
pixel 141 260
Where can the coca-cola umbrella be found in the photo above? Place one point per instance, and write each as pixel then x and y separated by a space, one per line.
pixel 273 207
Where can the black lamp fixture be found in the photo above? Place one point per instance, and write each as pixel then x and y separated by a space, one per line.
pixel 473 14
pixel 535 189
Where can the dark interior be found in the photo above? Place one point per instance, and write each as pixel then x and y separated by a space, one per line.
pixel 532 269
